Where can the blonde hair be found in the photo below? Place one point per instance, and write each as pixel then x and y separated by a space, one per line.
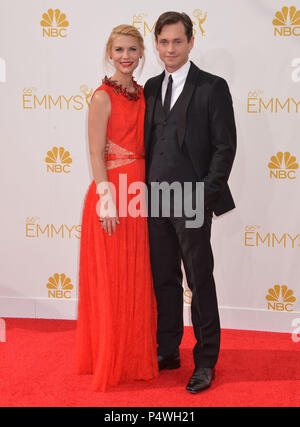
pixel 124 30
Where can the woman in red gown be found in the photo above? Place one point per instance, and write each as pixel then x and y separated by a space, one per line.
pixel 116 329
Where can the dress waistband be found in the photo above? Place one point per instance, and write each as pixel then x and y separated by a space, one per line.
pixel 125 156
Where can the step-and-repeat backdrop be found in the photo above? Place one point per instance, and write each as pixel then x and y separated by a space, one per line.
pixel 51 60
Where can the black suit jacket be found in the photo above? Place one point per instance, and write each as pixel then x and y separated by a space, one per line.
pixel 206 126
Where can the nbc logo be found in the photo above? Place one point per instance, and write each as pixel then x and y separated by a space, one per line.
pixel 287 22
pixel 283 166
pixel 280 298
pixel 58 160
pixel 59 286
pixel 279 170
pixel 54 23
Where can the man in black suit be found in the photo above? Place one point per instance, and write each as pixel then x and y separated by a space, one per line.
pixel 190 136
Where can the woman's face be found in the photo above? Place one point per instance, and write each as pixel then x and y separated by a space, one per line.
pixel 125 54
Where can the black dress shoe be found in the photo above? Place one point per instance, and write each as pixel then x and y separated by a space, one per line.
pixel 200 380
pixel 170 362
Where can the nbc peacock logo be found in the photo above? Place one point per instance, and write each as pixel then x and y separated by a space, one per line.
pixel 287 22
pixel 280 298
pixel 283 166
pixel 58 160
pixel 59 286
pixel 54 24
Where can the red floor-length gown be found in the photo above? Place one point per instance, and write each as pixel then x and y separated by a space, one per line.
pixel 116 328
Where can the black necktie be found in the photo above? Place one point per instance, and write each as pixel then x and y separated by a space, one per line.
pixel 167 101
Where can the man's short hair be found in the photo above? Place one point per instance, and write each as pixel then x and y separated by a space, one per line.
pixel 169 18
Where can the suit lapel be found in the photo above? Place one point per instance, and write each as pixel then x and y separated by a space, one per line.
pixel 151 100
pixel 187 93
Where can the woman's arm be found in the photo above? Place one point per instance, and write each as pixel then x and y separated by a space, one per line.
pixel 99 113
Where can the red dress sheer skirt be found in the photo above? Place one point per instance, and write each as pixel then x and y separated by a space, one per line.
pixel 116 328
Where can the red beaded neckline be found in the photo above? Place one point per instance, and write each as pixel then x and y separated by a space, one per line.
pixel 132 96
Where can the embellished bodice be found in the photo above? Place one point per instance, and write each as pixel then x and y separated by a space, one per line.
pixel 118 89
pixel 125 129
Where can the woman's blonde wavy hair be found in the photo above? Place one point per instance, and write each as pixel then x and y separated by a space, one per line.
pixel 124 30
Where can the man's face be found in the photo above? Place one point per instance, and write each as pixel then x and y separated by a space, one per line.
pixel 173 46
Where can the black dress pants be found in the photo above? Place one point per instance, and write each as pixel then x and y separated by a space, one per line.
pixel 170 243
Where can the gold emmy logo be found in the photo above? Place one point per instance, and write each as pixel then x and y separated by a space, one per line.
pixel 283 166
pixel 254 237
pixel 59 286
pixel 287 22
pixel 58 160
pixel 257 104
pixel 255 93
pixel 138 19
pixel 144 27
pixel 35 230
pixel 280 298
pixel 87 93
pixel 139 22
pixel 32 101
pixel 54 23
pixel 31 220
pixel 201 19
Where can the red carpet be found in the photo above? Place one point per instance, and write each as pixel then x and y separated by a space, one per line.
pixel 254 369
